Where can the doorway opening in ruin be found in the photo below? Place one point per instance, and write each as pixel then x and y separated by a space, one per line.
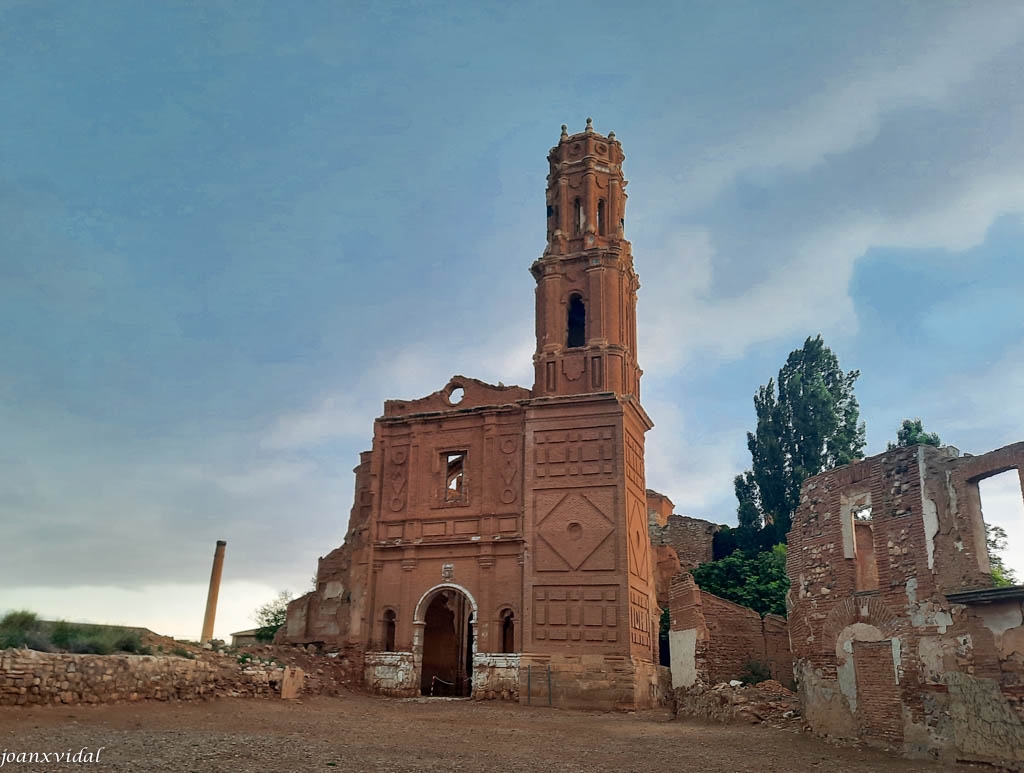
pixel 1002 511
pixel 447 668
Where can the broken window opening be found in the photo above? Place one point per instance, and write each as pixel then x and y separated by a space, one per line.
pixel 577 322
pixel 600 217
pixel 455 465
pixel 390 620
pixel 508 631
pixel 1002 512
pixel 578 210
pixel 862 514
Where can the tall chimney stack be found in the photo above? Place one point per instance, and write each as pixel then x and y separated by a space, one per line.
pixel 211 597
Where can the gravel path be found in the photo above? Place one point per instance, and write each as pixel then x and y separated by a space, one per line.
pixel 361 733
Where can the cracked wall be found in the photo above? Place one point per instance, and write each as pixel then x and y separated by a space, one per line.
pixel 898 636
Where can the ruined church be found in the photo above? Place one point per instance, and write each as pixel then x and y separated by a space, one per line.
pixel 498 544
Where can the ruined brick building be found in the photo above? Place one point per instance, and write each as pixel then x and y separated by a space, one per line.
pixel 499 541
pixel 897 634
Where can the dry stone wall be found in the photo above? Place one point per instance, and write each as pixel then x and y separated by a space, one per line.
pixel 28 677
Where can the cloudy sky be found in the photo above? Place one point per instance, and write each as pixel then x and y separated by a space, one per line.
pixel 229 232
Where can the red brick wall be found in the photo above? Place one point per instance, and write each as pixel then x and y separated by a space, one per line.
pixel 735 637
pixel 776 648
pixel 728 635
pixel 937 670
pixel 691 537
pixel 879 708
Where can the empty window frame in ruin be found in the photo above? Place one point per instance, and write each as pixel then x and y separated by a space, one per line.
pixel 1000 503
pixel 859 539
pixel 455 476
pixel 576 322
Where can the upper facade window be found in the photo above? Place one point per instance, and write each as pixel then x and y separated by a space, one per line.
pixel 455 476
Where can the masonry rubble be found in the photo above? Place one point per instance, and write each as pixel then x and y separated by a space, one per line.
pixel 715 642
pixel 899 638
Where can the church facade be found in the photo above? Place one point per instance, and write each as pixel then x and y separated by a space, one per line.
pixel 498 544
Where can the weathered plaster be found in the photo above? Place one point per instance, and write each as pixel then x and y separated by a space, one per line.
pixel 929 513
pixel 985 726
pixel 683 659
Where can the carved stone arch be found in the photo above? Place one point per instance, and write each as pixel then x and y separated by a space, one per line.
pixel 864 609
pixel 445 661
pixel 426 598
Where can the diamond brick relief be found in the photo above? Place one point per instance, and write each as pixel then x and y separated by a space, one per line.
pixel 574 529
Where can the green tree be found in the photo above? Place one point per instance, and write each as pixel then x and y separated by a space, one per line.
pixel 995 539
pixel 758 581
pixel 911 433
pixel 271 616
pixel 809 423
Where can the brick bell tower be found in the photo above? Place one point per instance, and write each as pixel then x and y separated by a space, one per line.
pixel 588 596
pixel 586 285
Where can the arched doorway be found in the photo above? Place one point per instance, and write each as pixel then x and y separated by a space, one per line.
pixel 447 661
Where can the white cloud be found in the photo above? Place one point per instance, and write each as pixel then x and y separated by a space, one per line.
pixel 837 119
pixel 693 469
pixel 983 405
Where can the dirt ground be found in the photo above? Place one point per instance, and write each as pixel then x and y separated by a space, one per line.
pixel 361 733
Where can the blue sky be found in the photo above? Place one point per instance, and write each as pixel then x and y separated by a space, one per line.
pixel 228 233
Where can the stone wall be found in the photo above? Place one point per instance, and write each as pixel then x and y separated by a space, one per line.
pixel 898 637
pixel 391 673
pixel 692 538
pixel 496 676
pixel 678 543
pixel 30 677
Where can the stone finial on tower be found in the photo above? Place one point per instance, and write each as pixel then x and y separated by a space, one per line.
pixel 565 131
pixel 590 124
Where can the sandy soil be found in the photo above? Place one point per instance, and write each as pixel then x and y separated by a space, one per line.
pixel 361 733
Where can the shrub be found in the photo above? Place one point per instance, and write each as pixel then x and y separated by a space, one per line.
pixel 17 628
pixel 24 629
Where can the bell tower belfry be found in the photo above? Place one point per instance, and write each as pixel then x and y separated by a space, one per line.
pixel 588 588
pixel 586 285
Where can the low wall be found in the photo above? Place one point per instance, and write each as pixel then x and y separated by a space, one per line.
pixel 391 673
pixel 713 640
pixel 604 682
pixel 496 676
pixel 31 677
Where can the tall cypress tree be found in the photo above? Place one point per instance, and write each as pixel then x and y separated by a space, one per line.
pixel 809 423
